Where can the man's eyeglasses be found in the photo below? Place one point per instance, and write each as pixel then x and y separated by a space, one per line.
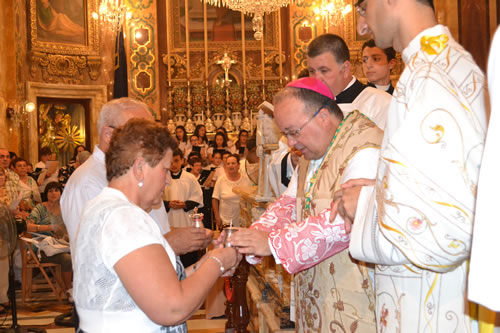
pixel 361 8
pixel 295 133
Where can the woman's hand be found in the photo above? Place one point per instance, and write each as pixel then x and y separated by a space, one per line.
pixel 229 257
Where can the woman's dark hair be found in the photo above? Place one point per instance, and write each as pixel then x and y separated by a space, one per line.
pixel 51 186
pixel 194 159
pixel 222 130
pixel 217 152
pixel 75 152
pixel 224 141
pixel 137 138
pixel 237 144
pixel 236 156
pixel 193 154
pixel 45 151
pixel 184 135
pixel 197 133
pixel 17 160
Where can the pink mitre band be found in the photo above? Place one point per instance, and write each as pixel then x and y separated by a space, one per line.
pixel 313 84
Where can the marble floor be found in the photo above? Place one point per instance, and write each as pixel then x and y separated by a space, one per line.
pixel 41 311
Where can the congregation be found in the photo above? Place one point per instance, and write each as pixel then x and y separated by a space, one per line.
pixel 374 195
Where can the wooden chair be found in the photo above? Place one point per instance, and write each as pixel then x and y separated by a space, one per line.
pixel 31 262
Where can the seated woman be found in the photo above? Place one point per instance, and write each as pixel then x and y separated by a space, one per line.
pixel 127 277
pixel 46 218
pixel 28 187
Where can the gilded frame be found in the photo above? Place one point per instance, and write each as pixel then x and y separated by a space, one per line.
pixel 90 44
pixel 176 44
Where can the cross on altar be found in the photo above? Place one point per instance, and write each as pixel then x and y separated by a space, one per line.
pixel 226 63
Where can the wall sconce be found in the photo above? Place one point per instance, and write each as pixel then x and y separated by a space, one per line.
pixel 20 113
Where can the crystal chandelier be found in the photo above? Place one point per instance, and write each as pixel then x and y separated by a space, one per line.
pixel 257 8
pixel 111 13
pixel 332 11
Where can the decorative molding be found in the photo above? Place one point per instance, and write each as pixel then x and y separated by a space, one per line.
pixel 94 64
pixel 142 50
pixel 68 69
pixel 95 93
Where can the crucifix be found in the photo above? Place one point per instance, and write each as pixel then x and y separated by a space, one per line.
pixel 226 63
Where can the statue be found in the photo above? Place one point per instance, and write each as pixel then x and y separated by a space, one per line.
pixel 268 136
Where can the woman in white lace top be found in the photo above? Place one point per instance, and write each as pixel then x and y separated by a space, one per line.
pixel 127 277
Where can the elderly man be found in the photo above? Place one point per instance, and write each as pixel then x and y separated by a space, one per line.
pixel 328 60
pixel 333 292
pixel 377 65
pixel 12 181
pixel 90 178
pixel 416 222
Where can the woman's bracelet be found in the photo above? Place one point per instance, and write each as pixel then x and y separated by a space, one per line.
pixel 222 269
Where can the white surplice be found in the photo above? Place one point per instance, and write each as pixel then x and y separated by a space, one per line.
pixel 483 284
pixel 371 102
pixel 418 227
pixel 185 188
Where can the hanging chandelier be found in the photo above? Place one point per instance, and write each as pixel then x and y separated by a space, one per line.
pixel 332 11
pixel 111 14
pixel 255 8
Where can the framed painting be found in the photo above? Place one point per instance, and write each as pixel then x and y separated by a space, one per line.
pixel 64 27
pixel 63 124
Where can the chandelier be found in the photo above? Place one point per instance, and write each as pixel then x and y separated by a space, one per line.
pixel 257 8
pixel 111 13
pixel 332 11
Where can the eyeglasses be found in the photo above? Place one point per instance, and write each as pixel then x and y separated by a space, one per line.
pixel 361 8
pixel 295 133
pixel 4 156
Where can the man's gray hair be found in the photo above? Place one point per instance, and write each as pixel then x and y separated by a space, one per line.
pixel 112 111
pixel 83 156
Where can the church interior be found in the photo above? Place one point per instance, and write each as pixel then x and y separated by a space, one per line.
pixel 192 63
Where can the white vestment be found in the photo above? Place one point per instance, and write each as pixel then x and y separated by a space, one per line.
pixel 185 188
pixel 418 227
pixel 483 283
pixel 371 102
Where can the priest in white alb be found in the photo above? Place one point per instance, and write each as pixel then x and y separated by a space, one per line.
pixel 415 223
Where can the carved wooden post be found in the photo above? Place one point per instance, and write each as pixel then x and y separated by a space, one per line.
pixel 237 311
